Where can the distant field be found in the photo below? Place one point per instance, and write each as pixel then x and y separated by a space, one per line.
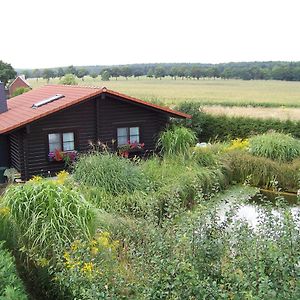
pixel 281 113
pixel 225 92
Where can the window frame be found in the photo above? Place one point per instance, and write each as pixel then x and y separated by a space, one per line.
pixel 128 126
pixel 61 132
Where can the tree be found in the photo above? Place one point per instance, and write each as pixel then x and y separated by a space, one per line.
pixel 27 74
pixel 181 72
pixel 36 73
pixel 60 73
pixel 68 79
pixel 94 75
pixel 196 72
pixel 82 72
pixel 105 75
pixel 115 72
pixel 159 72
pixel 48 73
pixel 126 72
pixel 174 72
pixel 137 73
pixel 71 70
pixel 6 72
pixel 150 73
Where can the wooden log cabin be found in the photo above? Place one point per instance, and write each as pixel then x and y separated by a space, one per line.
pixel 37 125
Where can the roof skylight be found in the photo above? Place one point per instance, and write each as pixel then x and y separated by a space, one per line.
pixel 48 100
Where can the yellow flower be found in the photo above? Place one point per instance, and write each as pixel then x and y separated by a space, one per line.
pixel 75 245
pixel 43 262
pixel 103 239
pixel 4 211
pixel 67 256
pixel 36 179
pixel 238 144
pixel 93 243
pixel 62 176
pixel 87 267
pixel 94 251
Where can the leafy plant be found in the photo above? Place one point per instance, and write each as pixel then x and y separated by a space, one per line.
pixel 109 172
pixel 45 214
pixel 11 286
pixel 260 171
pixel 176 141
pixel 276 146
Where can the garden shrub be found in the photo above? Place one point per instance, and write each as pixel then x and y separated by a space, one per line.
pixel 260 171
pixel 205 156
pixel 176 141
pixel 276 146
pixel 11 286
pixel 94 270
pixel 111 173
pixel 45 214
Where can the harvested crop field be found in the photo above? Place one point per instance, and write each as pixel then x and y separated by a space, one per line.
pixel 281 113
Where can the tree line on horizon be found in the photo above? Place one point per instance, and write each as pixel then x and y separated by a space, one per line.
pixel 288 71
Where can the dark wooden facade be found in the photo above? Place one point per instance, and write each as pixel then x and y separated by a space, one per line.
pixel 94 120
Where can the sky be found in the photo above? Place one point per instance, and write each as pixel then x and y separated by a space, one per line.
pixel 42 34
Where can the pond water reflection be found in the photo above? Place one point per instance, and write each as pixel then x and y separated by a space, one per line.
pixel 251 209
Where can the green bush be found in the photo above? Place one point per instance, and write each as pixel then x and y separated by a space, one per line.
pixel 111 173
pixel 44 215
pixel 20 91
pixel 94 270
pixel 68 79
pixel 205 156
pixel 209 127
pixel 11 286
pixel 276 146
pixel 176 141
pixel 260 171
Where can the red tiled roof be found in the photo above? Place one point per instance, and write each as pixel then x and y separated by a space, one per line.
pixel 20 111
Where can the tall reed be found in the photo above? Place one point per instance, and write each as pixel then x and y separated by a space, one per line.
pixel 176 141
pixel 276 146
pixel 45 215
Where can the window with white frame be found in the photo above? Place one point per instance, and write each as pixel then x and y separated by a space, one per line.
pixel 126 135
pixel 61 141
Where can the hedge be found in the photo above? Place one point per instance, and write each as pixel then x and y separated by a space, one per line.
pixel 209 127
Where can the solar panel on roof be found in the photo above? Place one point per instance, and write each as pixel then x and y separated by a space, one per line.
pixel 48 100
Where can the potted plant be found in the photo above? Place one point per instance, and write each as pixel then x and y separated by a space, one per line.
pixel 66 156
pixel 125 149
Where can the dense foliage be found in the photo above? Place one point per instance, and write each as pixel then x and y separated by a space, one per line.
pixel 176 140
pixel 11 286
pixel 20 91
pixel 109 172
pixel 45 215
pixel 7 72
pixel 167 227
pixel 243 70
pixel 276 146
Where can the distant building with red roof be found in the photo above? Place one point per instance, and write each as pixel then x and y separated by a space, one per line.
pixel 19 82
pixel 40 127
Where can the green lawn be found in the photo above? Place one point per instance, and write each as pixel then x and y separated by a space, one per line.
pixel 206 91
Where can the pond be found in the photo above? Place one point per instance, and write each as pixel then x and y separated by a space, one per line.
pixel 249 203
